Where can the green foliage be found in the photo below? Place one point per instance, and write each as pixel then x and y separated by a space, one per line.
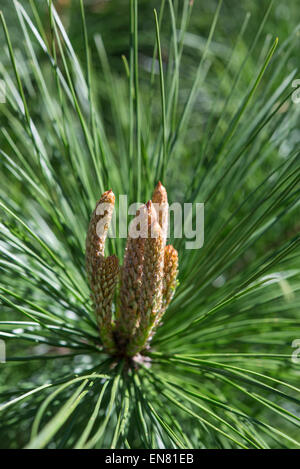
pixel 216 122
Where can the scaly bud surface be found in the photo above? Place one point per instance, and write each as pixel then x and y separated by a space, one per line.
pixel 148 275
pixel 128 316
pixel 97 232
pixel 150 302
pixel 170 275
pixel 160 201
pixel 103 293
pixel 102 273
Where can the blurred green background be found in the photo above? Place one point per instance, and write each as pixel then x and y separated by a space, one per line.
pixel 110 18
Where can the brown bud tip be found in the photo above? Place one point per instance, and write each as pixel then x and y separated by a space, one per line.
pixel 152 217
pixel 108 196
pixel 160 194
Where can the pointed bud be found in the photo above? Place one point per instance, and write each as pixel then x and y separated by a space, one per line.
pixel 97 232
pixel 160 201
pixel 103 274
pixel 128 314
pixel 150 301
